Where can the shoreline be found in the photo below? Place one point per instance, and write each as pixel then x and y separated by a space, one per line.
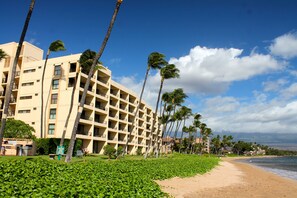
pixel 232 178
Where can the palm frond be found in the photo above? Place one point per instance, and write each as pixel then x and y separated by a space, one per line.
pixel 56 46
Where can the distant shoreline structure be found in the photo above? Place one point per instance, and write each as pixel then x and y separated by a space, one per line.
pixel 282 141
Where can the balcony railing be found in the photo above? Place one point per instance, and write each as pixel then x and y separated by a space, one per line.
pixel 86 117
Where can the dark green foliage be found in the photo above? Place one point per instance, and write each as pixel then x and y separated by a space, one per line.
pixel 2 54
pixel 273 151
pixel 38 177
pixel 86 60
pixel 139 151
pixel 18 129
pixel 57 45
pixel 110 151
pixel 45 146
pixel 119 151
pixel 240 147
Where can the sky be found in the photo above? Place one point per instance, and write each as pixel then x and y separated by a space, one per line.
pixel 237 58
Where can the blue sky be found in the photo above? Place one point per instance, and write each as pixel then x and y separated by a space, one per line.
pixel 237 58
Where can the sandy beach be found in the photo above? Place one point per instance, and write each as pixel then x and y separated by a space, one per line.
pixel 232 179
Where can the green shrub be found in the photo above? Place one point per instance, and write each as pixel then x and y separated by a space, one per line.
pixel 45 146
pixel 119 151
pixel 139 151
pixel 37 177
pixel 110 151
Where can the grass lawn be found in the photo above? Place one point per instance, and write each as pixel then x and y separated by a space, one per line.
pixel 94 176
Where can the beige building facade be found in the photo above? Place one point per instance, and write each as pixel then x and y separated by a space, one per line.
pixel 109 108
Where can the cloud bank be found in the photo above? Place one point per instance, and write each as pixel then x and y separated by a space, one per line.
pixel 285 46
pixel 209 72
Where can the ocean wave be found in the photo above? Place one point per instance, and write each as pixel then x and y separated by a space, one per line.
pixel 282 173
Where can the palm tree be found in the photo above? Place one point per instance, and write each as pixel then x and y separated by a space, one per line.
pixel 85 62
pixel 206 133
pixel 178 117
pixel 83 98
pixel 167 72
pixel 55 46
pixel 2 54
pixel 184 130
pixel 177 97
pixel 185 113
pixel 13 71
pixel 155 61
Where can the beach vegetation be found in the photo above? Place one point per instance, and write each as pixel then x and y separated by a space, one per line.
pixel 106 178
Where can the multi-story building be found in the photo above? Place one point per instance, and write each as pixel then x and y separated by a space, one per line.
pixel 108 111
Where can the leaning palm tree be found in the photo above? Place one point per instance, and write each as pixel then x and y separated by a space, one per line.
pixel 2 54
pixel 184 130
pixel 167 72
pixel 185 113
pixel 91 72
pixel 155 61
pixel 85 61
pixel 13 71
pixel 177 97
pixel 55 46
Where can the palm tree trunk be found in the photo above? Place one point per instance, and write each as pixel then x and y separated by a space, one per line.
pixel 83 98
pixel 178 123
pixel 172 123
pixel 70 110
pixel 181 138
pixel 13 71
pixel 137 109
pixel 154 119
pixel 171 128
pixel 41 94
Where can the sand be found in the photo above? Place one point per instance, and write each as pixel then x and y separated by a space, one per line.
pixel 232 179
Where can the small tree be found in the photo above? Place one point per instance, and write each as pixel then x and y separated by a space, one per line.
pixel 18 129
pixel 109 151
pixel 119 151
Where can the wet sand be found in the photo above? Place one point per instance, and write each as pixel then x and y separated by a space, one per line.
pixel 232 179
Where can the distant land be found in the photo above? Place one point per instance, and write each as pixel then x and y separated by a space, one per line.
pixel 284 141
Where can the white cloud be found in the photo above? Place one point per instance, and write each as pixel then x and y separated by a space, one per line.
pixel 289 92
pixel 211 70
pixel 255 117
pixel 285 46
pixel 207 71
pixel 222 104
pixel 275 85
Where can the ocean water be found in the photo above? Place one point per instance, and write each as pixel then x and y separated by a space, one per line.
pixel 282 166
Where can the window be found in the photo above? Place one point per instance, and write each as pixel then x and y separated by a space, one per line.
pixel 53 114
pixel 55 84
pixel 27 84
pixel 72 67
pixel 57 71
pixel 24 111
pixel 71 82
pixel 54 99
pixel 25 97
pixel 29 71
pixel 51 129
